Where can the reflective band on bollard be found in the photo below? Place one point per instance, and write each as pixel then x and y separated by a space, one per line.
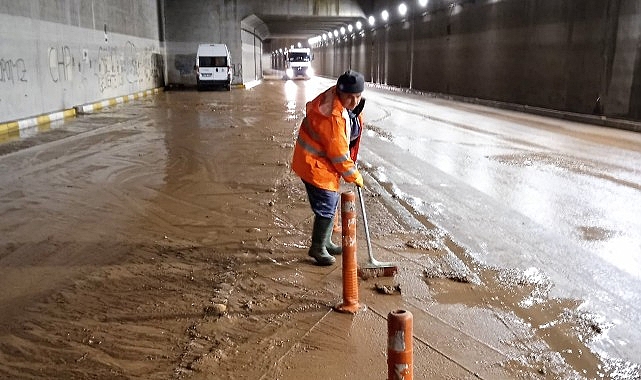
pixel 400 359
pixel 350 266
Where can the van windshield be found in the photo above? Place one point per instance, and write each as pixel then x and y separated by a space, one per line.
pixel 298 57
pixel 212 61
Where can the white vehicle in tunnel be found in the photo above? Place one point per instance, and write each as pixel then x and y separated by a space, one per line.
pixel 213 66
pixel 299 63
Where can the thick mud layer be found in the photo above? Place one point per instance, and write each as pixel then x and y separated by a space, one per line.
pixel 173 244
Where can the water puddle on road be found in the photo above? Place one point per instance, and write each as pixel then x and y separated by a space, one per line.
pixel 566 330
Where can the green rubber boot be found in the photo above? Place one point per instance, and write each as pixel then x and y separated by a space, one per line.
pixel 332 248
pixel 321 230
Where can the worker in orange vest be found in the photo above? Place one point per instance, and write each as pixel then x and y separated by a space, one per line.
pixel 326 151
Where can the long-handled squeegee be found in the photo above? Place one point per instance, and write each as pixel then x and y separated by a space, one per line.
pixel 373 268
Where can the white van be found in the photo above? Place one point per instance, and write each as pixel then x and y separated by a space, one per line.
pixel 213 66
pixel 299 63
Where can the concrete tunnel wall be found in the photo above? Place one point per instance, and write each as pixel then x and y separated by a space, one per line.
pixel 55 55
pixel 558 54
pixel 231 22
pixel 553 54
pixel 206 21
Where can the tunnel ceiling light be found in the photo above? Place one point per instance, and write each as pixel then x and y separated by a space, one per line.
pixel 384 15
pixel 402 9
pixel 350 28
pixel 371 20
pixel 359 25
pixel 325 37
pixel 342 30
pixel 335 33
pixel 300 45
pixel 422 3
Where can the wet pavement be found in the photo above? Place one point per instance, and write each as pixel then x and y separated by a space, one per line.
pixel 554 198
pixel 167 239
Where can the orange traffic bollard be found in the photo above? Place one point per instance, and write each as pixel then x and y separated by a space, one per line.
pixel 350 266
pixel 400 355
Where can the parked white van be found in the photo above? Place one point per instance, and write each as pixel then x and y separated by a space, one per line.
pixel 213 66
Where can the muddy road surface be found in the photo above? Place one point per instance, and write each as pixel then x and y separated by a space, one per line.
pixel 167 239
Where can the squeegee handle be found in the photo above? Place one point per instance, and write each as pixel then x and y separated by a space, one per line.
pixel 367 239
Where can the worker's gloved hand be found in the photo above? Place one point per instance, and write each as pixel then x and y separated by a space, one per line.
pixel 359 181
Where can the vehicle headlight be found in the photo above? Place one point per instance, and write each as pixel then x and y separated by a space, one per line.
pixel 289 72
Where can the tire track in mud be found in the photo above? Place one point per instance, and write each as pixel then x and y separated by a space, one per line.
pixel 56 199
pixel 162 293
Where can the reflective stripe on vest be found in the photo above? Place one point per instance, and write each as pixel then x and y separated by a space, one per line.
pixel 340 159
pixel 314 136
pixel 309 148
pixel 308 128
pixel 350 171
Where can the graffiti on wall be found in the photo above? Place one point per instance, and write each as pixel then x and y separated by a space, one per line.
pixel 63 73
pixel 129 65
pixel 132 65
pixel 109 68
pixel 60 64
pixel 141 64
pixel 12 71
pixel 113 67
pixel 45 71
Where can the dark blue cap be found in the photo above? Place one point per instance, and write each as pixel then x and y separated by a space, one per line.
pixel 351 82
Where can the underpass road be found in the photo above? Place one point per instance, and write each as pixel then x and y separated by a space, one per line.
pixel 167 238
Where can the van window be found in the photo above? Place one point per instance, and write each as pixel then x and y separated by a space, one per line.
pixel 298 57
pixel 212 61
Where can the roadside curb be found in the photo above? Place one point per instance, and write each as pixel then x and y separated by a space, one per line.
pixel 15 127
pixel 600 120
pixel 91 107
pixel 249 85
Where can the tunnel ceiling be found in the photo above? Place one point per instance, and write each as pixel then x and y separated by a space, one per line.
pixel 304 27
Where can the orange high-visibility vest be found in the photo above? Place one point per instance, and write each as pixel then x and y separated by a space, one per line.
pixel 322 154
